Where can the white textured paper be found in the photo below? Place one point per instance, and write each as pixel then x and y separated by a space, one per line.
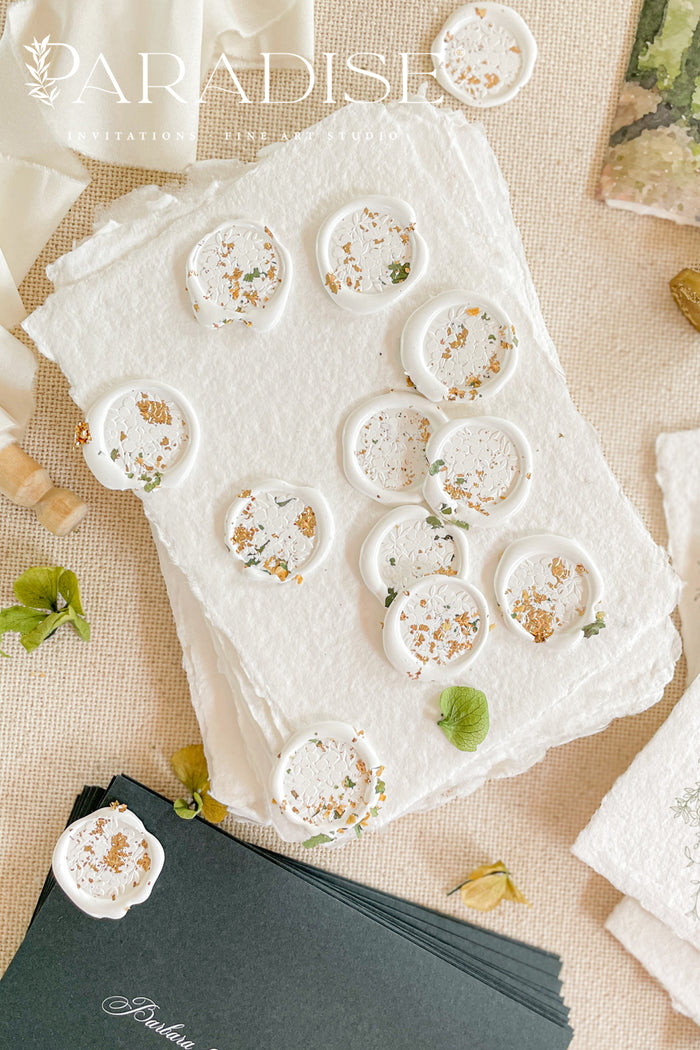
pixel 274 404
pixel 678 459
pixel 639 841
pixel 673 962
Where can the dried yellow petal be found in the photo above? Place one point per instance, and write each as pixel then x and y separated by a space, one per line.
pixel 487 886
pixel 685 289
pixel 190 767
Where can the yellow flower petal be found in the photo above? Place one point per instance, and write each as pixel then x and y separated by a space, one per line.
pixel 488 885
pixel 212 810
pixel 190 767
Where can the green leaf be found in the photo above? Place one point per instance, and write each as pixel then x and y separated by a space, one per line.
pixel 182 808
pixel 435 466
pixel 80 624
pixel 598 625
pixel 19 618
pixel 38 587
pixel 316 840
pixel 380 787
pixel 460 524
pixel 33 639
pixel 466 717
pixel 433 520
pixel 68 588
pixel 391 594
pixel 399 271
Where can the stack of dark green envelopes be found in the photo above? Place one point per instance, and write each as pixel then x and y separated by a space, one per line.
pixel 238 947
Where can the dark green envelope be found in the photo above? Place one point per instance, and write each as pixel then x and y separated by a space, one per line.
pixel 238 947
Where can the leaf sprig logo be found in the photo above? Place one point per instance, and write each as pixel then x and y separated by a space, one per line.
pixel 42 86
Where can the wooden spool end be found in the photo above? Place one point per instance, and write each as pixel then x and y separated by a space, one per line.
pixel 26 483
pixel 60 511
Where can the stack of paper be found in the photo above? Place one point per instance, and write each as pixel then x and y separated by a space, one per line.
pixel 645 838
pixel 266 661
pixel 267 951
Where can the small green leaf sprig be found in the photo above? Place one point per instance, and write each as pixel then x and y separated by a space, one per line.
pixel 465 720
pixel 590 630
pixel 50 597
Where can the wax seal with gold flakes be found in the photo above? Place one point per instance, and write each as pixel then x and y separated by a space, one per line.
pixel 459 346
pixel 384 443
pixel 436 628
pixel 407 544
pixel 107 862
pixel 239 273
pixel 279 532
pixel 484 54
pixel 326 786
pixel 548 588
pixel 142 435
pixel 685 289
pixel 480 471
pixel 369 253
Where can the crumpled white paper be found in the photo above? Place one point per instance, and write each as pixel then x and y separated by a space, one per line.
pixel 655 933
pixel 274 404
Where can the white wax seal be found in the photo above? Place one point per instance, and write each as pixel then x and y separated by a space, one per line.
pixel 436 628
pixel 547 588
pixel 484 54
pixel 239 273
pixel 459 346
pixel 278 531
pixel 480 470
pixel 369 253
pixel 326 785
pixel 143 435
pixel 384 446
pixel 407 544
pixel 107 862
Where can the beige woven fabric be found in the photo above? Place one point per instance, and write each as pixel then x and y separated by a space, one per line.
pixel 75 713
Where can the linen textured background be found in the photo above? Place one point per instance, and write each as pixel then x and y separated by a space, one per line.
pixel 75 713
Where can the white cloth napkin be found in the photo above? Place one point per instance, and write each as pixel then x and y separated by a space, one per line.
pixel 101 108
pixel 17 372
pixel 39 180
pixel 655 933
pixel 292 655
pixel 244 31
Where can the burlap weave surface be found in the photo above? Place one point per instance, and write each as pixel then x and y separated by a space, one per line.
pixel 75 713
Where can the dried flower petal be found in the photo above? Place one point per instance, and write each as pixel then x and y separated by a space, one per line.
pixel 190 767
pixel 488 885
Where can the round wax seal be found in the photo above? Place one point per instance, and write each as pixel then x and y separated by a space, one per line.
pixel 435 628
pixel 369 253
pixel 279 532
pixel 484 54
pixel 480 470
pixel 326 785
pixel 142 435
pixel 107 862
pixel 384 446
pixel 547 588
pixel 459 346
pixel 407 544
pixel 239 273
